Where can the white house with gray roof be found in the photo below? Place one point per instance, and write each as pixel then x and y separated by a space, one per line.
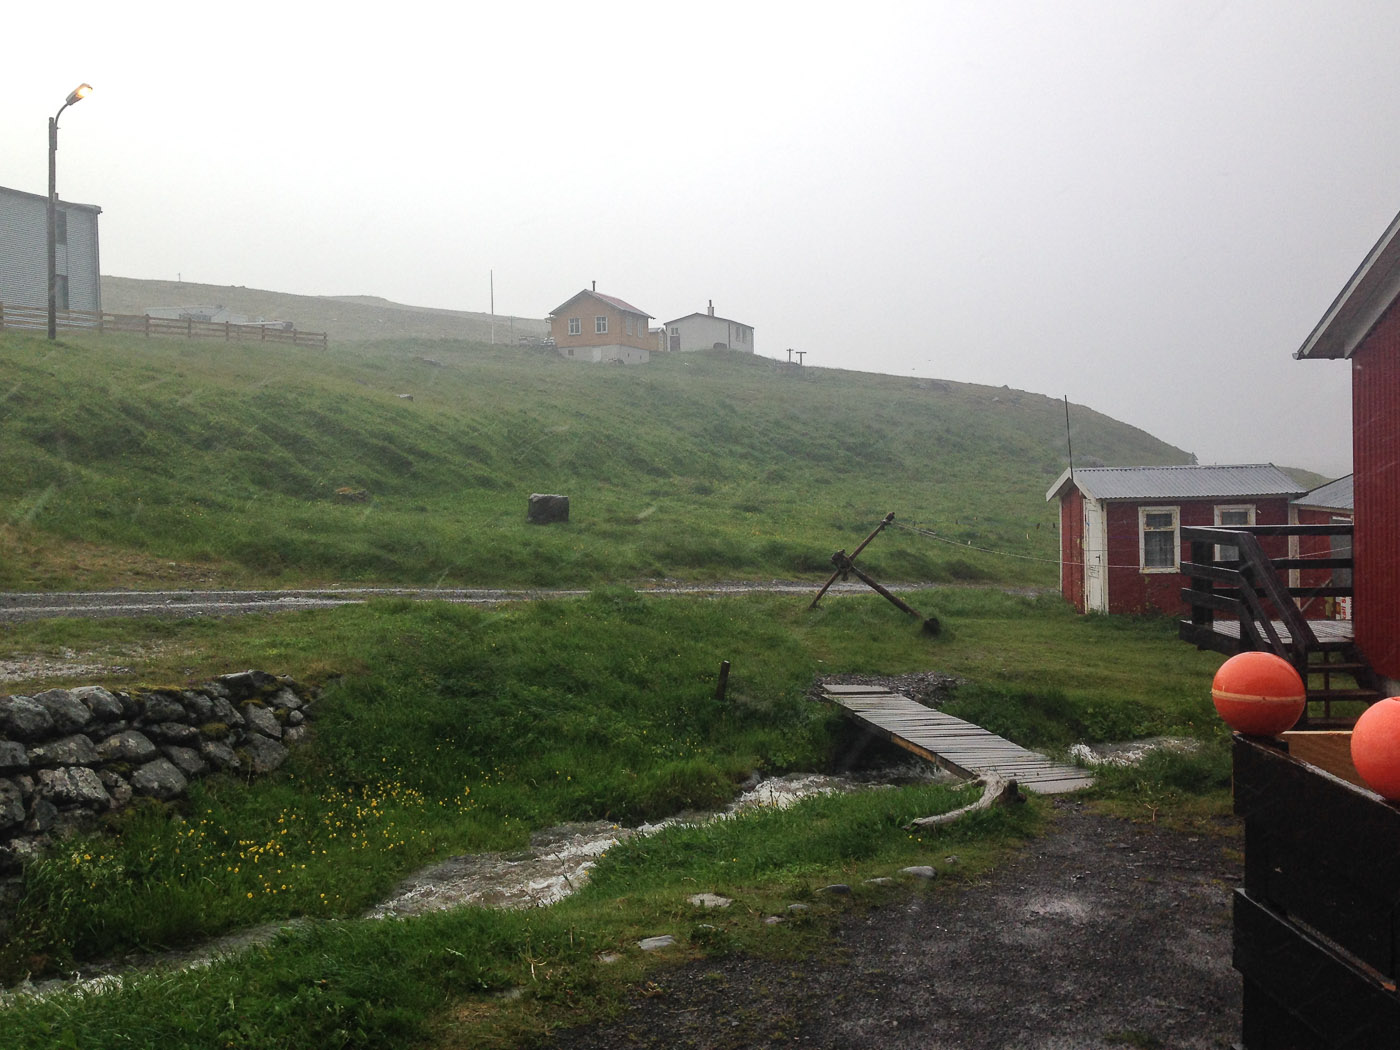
pixel 705 331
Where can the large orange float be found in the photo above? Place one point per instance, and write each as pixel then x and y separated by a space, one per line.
pixel 1375 747
pixel 1258 693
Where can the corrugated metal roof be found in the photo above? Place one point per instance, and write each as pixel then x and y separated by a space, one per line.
pixel 1360 304
pixel 1183 482
pixel 65 203
pixel 1335 495
pixel 712 317
pixel 612 299
pixel 628 307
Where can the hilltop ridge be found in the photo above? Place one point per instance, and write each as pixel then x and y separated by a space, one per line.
pixel 344 318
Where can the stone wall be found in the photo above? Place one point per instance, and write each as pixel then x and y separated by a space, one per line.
pixel 67 755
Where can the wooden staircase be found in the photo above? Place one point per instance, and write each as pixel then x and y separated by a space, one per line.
pixel 1322 662
pixel 1247 605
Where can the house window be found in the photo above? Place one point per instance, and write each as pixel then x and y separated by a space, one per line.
pixel 1160 549
pixel 629 324
pixel 675 330
pixel 1229 517
pixel 600 324
pixel 575 326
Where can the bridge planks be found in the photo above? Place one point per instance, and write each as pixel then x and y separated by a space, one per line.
pixel 960 747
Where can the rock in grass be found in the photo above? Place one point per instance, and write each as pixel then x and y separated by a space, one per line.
pixel 104 706
pixel 710 900
pixel 74 786
pixel 69 714
pixel 129 746
pixel 545 508
pixel 264 754
pixel 158 779
pixel 11 804
pixel 75 750
pixel 919 871
pixel 21 718
pixel 652 944
pixel 261 720
pixel 13 756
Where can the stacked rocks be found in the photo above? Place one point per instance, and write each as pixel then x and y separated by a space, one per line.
pixel 67 754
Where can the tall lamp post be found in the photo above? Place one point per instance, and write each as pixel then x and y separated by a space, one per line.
pixel 80 92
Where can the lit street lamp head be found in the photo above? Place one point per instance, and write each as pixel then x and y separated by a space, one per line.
pixel 76 95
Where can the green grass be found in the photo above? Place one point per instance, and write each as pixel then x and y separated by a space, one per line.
pixel 459 729
pixel 384 984
pixel 140 462
pixel 447 729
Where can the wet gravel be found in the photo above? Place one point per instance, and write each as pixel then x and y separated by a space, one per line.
pixel 1103 934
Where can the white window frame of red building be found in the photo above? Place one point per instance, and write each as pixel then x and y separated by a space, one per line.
pixel 1174 529
pixel 600 324
pixel 575 326
pixel 1228 551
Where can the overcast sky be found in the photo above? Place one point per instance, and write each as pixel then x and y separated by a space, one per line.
pixel 1145 206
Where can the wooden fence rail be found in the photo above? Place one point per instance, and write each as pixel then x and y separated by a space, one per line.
pixel 36 319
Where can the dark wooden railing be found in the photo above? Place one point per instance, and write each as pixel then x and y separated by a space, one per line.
pixel 1252 591
pixel 1245 604
pixel 35 319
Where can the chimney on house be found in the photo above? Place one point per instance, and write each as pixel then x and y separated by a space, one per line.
pixel 712 307
pixel 595 286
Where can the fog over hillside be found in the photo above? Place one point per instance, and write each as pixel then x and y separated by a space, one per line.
pixel 348 318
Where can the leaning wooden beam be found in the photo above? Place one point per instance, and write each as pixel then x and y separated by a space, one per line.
pixel 997 791
pixel 842 569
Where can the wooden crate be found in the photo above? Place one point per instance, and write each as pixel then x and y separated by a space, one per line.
pixel 1317 923
pixel 1327 749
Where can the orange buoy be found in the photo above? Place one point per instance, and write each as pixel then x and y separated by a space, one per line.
pixel 1375 747
pixel 1258 693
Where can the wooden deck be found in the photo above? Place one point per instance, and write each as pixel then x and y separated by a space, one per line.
pixel 1328 632
pixel 960 747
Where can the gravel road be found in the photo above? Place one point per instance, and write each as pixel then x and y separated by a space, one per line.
pixel 18 606
pixel 1101 935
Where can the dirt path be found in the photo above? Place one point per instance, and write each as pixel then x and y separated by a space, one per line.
pixel 16 606
pixel 1102 934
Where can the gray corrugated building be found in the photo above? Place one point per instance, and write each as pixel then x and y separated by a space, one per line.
pixel 23 253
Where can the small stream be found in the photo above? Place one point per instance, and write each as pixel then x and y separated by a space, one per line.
pixel 554 865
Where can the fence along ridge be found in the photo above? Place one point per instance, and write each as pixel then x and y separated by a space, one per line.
pixel 35 318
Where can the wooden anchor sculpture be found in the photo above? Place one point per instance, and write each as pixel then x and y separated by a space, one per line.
pixel 846 567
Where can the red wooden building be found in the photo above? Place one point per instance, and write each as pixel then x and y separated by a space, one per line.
pixel 1120 527
pixel 1329 504
pixel 1362 326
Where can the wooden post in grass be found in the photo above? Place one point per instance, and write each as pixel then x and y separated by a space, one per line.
pixel 723 680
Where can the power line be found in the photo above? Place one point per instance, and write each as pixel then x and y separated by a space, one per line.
pixel 968 545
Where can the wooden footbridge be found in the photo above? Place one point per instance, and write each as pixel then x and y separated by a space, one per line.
pixel 960 747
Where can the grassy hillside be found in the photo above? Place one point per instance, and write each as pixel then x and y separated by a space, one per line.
pixel 342 318
pixel 135 462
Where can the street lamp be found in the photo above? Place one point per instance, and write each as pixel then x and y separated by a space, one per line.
pixel 78 93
